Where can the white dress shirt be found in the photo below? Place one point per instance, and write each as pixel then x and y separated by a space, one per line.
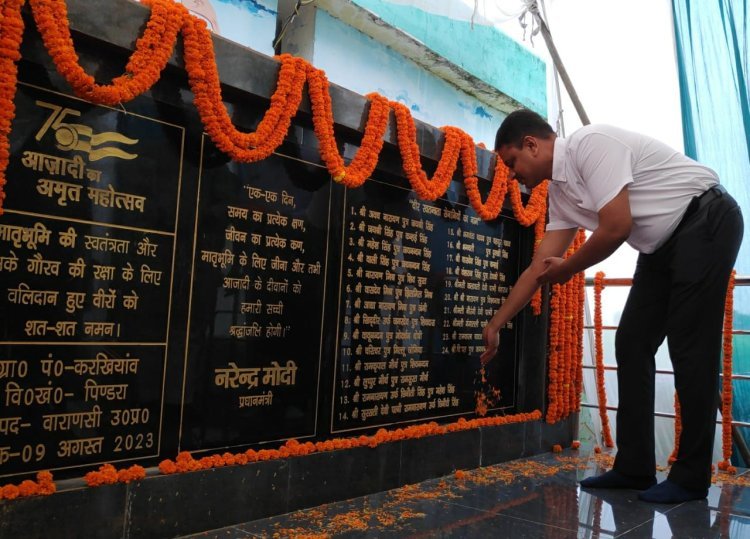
pixel 591 166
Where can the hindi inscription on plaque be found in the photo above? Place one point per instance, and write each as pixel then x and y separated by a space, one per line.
pixel 255 346
pixel 86 250
pixel 418 281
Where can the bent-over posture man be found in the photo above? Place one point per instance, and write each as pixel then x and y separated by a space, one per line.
pixel 627 187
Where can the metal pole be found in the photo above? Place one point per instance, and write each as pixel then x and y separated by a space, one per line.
pixel 561 69
pixel 555 76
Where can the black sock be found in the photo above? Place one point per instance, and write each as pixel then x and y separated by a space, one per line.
pixel 669 492
pixel 613 479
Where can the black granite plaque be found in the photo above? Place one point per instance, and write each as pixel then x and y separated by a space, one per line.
pixel 256 310
pixel 419 279
pixel 86 251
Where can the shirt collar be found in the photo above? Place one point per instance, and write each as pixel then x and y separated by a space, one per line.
pixel 559 155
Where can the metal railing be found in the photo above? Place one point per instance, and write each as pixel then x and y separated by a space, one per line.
pixel 739 281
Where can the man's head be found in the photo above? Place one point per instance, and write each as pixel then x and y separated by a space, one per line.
pixel 525 142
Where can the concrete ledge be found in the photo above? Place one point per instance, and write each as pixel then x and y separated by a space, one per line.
pixel 174 505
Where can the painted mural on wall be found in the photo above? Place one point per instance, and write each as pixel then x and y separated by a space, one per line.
pixel 369 66
pixel 251 23
pixel 464 32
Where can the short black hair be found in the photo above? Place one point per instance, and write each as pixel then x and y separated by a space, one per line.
pixel 519 124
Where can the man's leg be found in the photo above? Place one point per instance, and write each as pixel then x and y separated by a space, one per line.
pixel 640 332
pixel 702 259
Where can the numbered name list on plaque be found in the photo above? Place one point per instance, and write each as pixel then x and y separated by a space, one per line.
pixel 419 279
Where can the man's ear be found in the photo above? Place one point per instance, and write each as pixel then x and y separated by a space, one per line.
pixel 531 143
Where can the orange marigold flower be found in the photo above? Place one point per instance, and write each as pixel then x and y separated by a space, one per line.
pixel 46 488
pixel 27 488
pixel 44 477
pixel 184 456
pixel 9 492
pixel 167 467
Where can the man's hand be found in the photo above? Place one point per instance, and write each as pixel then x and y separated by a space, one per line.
pixel 491 337
pixel 554 243
pixel 555 271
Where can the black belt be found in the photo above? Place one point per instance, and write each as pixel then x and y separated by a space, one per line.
pixel 702 200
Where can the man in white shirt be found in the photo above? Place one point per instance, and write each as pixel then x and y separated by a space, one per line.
pixel 627 187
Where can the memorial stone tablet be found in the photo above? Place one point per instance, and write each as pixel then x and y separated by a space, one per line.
pixel 255 346
pixel 87 244
pixel 418 281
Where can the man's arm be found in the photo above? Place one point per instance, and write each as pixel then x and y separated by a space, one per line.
pixel 554 244
pixel 615 223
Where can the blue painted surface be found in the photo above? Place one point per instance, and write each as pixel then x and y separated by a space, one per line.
pixel 359 63
pixel 483 51
pixel 251 23
pixel 253 6
pixel 714 69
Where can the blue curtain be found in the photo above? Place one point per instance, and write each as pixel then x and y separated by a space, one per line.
pixel 711 38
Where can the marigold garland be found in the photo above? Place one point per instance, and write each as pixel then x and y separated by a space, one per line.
pixel 563 385
pixel 152 50
pixel 292 448
pixel 536 299
pixel 151 53
pixel 578 286
pixel 578 330
pixel 490 209
pixel 599 352
pixel 565 361
pixel 726 384
pixel 11 33
pixel 677 430
pixel 43 486
pixel 536 206
pixel 553 411
pixel 406 132
pixel 109 475
pixel 203 78
pixel 535 212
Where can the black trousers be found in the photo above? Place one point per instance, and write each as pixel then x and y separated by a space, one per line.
pixel 678 292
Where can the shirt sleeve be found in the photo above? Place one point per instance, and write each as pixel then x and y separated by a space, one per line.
pixel 558 217
pixel 606 166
